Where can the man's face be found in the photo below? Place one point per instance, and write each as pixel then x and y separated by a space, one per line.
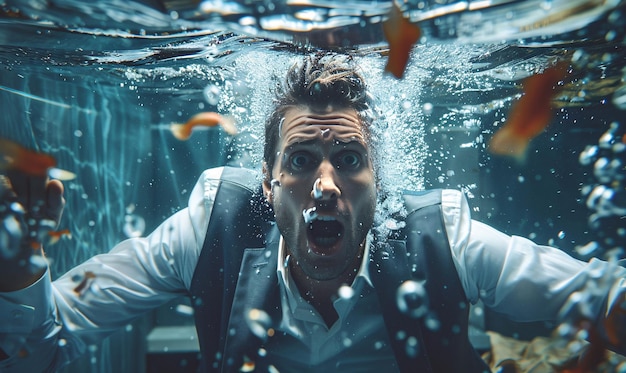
pixel 324 171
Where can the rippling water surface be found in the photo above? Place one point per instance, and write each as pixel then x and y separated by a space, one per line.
pixel 98 84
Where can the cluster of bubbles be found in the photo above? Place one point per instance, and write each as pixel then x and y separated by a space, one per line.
pixel 19 235
pixel 606 198
pixel 259 323
pixel 11 222
pixel 134 225
pixel 579 334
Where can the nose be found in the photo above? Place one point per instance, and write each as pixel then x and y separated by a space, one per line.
pixel 325 189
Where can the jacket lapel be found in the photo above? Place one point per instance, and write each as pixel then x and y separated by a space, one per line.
pixel 389 269
pixel 257 290
pixel 256 305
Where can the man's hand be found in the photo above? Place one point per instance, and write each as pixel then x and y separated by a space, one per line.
pixel 30 206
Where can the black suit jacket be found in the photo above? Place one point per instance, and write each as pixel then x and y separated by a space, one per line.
pixel 236 273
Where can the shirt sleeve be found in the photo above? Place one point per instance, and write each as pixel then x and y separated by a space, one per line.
pixel 52 323
pixel 526 281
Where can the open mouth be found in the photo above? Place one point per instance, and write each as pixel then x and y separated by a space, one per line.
pixel 325 231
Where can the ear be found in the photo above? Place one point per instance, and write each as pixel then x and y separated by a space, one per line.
pixel 267 187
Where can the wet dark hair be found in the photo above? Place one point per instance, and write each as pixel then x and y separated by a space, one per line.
pixel 321 80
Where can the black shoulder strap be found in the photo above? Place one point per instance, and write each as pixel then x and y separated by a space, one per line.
pixel 238 211
pixel 421 252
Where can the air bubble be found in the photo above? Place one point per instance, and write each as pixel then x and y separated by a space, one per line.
pixel 259 323
pixel 427 108
pixel 412 347
pixel 412 299
pixel 212 94
pixel 134 225
pixel 184 309
pixel 346 292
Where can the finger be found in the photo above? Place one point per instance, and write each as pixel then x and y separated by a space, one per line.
pixel 54 200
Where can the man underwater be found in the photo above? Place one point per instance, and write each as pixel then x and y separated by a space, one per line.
pixel 265 261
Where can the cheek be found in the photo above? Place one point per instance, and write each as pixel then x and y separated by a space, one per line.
pixel 370 207
pixel 367 185
pixel 286 197
pixel 364 198
pixel 370 197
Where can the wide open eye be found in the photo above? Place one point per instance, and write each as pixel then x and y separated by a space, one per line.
pixel 349 160
pixel 300 161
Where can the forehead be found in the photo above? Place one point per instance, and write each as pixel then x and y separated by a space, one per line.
pixel 301 124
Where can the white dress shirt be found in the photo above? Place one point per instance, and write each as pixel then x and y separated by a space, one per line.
pixel 510 274
pixel 356 342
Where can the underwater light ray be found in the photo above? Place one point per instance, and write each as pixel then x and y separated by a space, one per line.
pixel 34 97
pixel 44 100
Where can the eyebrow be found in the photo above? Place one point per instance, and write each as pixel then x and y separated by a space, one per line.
pixel 305 141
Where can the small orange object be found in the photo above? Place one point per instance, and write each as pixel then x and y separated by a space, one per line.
pixel 85 283
pixel 55 236
pixel 206 119
pixel 401 35
pixel 530 115
pixel 15 156
pixel 248 365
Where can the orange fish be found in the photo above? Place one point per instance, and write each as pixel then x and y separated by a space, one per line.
pixel 55 236
pixel 15 156
pixel 401 35
pixel 530 115
pixel 206 119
